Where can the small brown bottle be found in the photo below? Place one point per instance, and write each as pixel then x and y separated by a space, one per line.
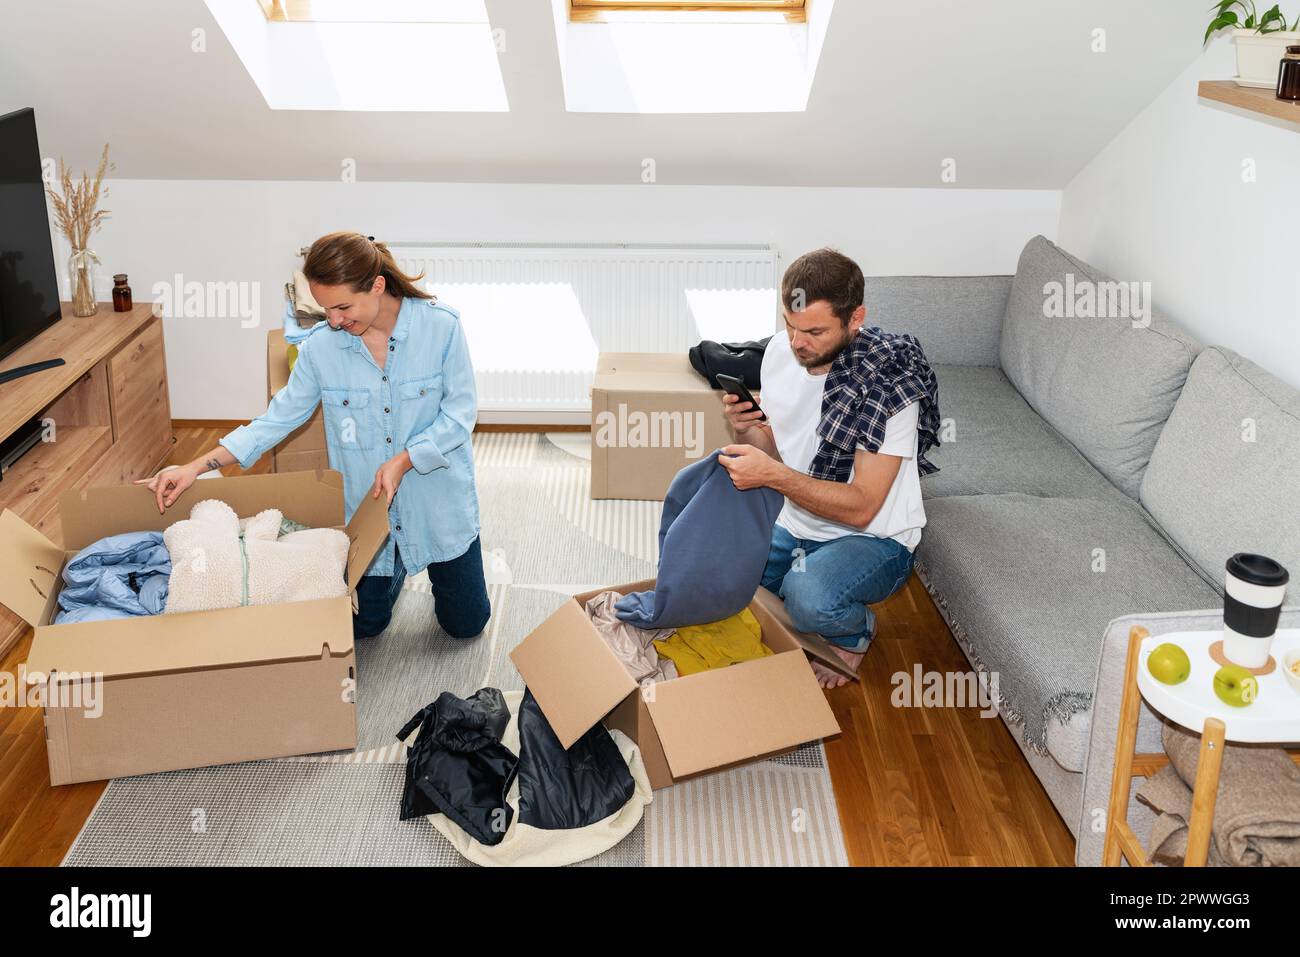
pixel 121 293
pixel 1288 75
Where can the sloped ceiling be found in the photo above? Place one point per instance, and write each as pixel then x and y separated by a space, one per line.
pixel 1010 90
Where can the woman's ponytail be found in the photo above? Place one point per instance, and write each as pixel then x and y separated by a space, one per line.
pixel 354 260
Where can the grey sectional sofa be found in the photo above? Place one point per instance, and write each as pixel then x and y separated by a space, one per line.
pixel 1097 473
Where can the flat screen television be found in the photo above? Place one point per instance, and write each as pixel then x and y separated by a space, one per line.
pixel 29 289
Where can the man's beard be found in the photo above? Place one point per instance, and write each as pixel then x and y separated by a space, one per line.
pixel 825 358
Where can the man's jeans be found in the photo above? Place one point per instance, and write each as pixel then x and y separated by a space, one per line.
pixel 460 600
pixel 827 586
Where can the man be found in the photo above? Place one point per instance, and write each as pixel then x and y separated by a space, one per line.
pixel 849 467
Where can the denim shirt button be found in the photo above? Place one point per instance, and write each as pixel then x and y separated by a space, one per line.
pixel 386 409
pixel 345 401
pixel 389 440
pixel 397 528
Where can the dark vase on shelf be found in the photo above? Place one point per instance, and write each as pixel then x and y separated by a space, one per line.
pixel 121 293
pixel 1288 75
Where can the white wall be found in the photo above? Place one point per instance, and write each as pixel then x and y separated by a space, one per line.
pixel 1166 203
pixel 240 231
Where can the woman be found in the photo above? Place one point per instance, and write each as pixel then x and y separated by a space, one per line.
pixel 394 377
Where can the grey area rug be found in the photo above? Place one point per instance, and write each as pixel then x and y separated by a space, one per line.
pixel 543 540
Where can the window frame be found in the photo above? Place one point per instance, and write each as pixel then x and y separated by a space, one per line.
pixel 594 11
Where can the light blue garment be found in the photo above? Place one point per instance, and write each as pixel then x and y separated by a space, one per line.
pixel 422 401
pixel 295 334
pixel 120 576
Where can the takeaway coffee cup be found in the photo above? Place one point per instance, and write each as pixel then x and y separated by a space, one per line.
pixel 1252 604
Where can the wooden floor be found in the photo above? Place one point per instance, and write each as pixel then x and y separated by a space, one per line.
pixel 915 786
pixel 932 786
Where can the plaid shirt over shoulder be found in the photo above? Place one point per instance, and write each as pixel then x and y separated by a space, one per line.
pixel 875 377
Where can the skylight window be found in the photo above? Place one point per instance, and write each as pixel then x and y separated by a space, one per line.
pixel 373 11
pixel 661 57
pixel 367 55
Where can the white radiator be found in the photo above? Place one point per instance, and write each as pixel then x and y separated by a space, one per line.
pixel 536 315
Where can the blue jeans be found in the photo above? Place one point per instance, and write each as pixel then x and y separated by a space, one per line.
pixel 460 599
pixel 827 586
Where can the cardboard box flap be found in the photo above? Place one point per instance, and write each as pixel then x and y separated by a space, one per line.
pixel 29 569
pixel 647 372
pixel 312 498
pixel 572 673
pixel 815 645
pixel 277 362
pixel 190 641
pixel 748 710
pixel 366 534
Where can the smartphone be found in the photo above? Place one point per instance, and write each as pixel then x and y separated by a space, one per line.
pixel 737 388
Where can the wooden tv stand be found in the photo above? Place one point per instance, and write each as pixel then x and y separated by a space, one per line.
pixel 106 414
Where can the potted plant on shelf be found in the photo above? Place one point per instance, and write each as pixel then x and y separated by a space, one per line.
pixel 76 210
pixel 1261 39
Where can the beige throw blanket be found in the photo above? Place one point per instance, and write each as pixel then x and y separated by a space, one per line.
pixel 1257 813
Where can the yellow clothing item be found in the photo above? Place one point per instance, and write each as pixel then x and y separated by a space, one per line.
pixel 718 644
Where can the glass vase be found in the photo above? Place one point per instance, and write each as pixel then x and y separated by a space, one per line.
pixel 81 280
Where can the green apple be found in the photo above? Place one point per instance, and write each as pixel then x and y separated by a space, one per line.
pixel 1169 664
pixel 1235 686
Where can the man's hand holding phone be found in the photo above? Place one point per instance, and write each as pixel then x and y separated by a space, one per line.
pixel 744 416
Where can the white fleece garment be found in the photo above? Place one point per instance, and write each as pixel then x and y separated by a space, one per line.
pixel 208 567
pixel 527 846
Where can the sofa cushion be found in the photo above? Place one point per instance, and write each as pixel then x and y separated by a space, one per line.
pixel 1021 581
pixel 957 318
pixel 994 442
pixel 1105 384
pixel 1225 475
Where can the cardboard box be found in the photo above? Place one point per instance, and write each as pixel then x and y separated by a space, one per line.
pixel 651 416
pixel 690 725
pixel 308 437
pixel 196 688
pixel 301 461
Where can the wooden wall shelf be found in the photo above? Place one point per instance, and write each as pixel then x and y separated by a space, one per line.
pixel 1264 102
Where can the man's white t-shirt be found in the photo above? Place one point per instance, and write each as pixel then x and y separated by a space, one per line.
pixel 792 398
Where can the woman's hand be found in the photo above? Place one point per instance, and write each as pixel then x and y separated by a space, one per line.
pixel 168 484
pixel 390 475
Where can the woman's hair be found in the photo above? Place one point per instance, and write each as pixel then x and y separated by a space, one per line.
pixel 354 260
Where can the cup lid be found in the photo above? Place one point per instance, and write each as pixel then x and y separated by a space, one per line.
pixel 1257 570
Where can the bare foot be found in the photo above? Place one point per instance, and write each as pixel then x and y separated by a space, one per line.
pixel 833 679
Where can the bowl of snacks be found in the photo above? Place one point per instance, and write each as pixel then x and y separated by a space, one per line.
pixel 1291 668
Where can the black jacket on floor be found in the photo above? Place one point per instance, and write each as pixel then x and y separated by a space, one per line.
pixel 459 767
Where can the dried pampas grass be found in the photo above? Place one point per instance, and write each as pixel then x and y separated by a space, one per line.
pixel 75 209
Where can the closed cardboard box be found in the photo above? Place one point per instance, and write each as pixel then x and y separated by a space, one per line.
pixel 651 416
pixel 689 725
pixel 165 692
pixel 308 437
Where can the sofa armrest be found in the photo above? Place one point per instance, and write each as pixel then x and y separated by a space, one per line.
pixel 1107 694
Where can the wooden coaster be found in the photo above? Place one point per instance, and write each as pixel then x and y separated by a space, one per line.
pixel 1216 652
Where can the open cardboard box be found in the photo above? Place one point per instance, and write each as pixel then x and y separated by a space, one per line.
pixel 198 688
pixel 661 416
pixel 692 724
